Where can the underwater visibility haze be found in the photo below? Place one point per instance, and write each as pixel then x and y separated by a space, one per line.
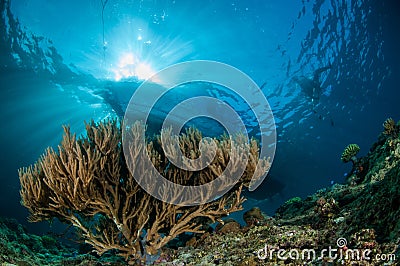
pixel 329 69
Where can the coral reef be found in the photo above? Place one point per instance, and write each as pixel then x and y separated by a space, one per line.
pixel 357 222
pixel 18 247
pixel 349 218
pixel 87 184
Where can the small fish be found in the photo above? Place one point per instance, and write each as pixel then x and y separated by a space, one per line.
pixel 288 68
pixel 263 85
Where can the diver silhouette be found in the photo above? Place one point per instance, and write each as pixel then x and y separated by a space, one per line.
pixel 312 87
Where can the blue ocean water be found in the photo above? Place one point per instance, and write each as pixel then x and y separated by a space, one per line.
pixel 65 62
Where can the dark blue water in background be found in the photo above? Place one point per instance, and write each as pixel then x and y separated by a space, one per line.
pixel 57 67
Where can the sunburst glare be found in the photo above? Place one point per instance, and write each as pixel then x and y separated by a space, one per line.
pixel 135 51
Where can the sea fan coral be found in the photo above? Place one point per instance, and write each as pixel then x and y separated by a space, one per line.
pixel 87 184
pixel 349 153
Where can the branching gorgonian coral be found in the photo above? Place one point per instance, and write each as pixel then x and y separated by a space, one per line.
pixel 87 183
